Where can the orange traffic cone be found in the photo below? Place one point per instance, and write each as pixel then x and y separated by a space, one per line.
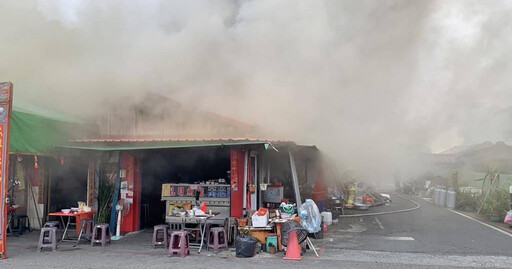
pixel 293 249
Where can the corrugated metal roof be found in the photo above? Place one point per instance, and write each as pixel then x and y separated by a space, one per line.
pixel 143 140
pixel 122 144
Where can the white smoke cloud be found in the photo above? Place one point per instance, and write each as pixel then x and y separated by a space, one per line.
pixel 370 82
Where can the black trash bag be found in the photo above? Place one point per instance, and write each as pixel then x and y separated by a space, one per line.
pixel 245 246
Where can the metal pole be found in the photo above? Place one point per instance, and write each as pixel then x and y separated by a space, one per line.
pixel 295 180
pixel 245 180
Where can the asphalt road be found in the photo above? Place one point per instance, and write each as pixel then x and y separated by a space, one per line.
pixel 429 237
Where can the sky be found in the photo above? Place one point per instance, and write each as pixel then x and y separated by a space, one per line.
pixel 371 83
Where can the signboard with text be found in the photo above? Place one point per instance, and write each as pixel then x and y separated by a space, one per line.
pixel 5 116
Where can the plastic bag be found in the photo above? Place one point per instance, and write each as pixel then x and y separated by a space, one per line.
pixel 508 218
pixel 310 216
pixel 245 246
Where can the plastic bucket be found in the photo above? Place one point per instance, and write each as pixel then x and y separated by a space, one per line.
pixel 327 217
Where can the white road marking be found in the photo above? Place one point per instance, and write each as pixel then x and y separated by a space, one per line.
pixel 483 223
pixel 399 238
pixel 380 223
pixel 392 258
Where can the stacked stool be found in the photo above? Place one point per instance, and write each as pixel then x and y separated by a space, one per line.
pixel 158 241
pixel 47 238
pixel 217 238
pixel 100 234
pixel 231 227
pixel 52 224
pixel 179 244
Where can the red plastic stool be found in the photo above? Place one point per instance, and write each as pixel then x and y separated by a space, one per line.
pixel 157 240
pixel 179 243
pixel 217 238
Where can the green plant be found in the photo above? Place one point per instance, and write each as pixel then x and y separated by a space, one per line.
pixel 244 230
pixel 105 197
pixel 497 203
pixel 468 201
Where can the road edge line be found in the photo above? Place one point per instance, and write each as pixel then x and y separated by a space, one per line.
pixel 481 222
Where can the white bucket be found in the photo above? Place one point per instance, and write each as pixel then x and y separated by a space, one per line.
pixel 327 217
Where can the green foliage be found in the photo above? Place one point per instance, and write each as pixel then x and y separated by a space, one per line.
pixel 244 230
pixel 497 203
pixel 468 201
pixel 105 197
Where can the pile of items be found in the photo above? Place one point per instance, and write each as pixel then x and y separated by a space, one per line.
pixel 273 230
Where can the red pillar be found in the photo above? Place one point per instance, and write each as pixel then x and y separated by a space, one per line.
pixel 130 163
pixel 237 180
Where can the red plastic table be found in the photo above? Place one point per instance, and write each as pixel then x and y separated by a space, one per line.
pixel 79 216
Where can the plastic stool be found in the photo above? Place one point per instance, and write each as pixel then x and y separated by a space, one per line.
pixel 179 244
pixel 231 227
pixel 163 228
pixel 218 240
pixel 52 224
pixel 101 234
pixel 46 241
pixel 86 229
pixel 271 239
pixel 23 224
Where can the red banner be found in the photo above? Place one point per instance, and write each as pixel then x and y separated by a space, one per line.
pixel 5 116
pixel 234 170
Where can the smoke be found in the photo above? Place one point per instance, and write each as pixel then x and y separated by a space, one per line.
pixel 370 82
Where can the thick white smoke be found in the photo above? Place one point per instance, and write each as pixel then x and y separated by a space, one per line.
pixel 370 82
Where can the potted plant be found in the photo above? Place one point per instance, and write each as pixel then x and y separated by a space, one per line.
pixel 272 248
pixel 496 205
pixel 244 231
pixel 242 222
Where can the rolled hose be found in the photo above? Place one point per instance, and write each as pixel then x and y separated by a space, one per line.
pixel 388 212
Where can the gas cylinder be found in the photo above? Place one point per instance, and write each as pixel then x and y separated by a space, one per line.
pixel 450 198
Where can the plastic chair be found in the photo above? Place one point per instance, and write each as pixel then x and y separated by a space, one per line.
pixel 47 238
pixel 179 244
pixel 160 241
pixel 100 234
pixel 217 238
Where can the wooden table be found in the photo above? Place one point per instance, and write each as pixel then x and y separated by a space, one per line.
pixel 199 220
pixel 260 233
pixel 79 216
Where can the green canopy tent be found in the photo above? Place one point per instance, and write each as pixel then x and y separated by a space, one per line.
pixel 40 132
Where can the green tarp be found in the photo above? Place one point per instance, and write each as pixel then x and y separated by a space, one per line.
pixel 39 134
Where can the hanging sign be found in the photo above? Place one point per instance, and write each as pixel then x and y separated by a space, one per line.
pixel 5 116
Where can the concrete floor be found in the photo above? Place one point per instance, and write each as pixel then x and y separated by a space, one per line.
pixel 430 237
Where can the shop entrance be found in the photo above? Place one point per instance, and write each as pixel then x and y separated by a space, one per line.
pixel 177 166
pixel 68 183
